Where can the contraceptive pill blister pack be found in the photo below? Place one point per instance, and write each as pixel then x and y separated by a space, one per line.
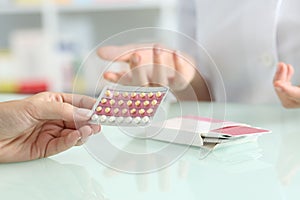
pixel 127 105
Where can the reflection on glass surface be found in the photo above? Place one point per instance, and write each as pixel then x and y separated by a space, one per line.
pixel 234 175
pixel 289 158
pixel 242 150
pixel 148 156
pixel 48 180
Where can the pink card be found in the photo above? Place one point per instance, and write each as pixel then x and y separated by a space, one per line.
pixel 240 130
pixel 227 128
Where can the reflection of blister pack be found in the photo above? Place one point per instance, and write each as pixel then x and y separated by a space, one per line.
pixel 127 106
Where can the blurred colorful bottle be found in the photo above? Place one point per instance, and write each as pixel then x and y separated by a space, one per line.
pixel 23 86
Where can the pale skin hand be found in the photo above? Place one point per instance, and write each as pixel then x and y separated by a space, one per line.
pixel 152 65
pixel 43 125
pixel 288 94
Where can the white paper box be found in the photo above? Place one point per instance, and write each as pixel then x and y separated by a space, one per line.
pixel 192 130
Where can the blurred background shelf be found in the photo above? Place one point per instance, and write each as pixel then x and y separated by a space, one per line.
pixel 94 7
pixel 38 40
pixel 19 10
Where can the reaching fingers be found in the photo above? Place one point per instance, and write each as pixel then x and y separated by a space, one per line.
pixel 159 72
pixel 115 53
pixel 281 73
pixel 184 71
pixel 120 53
pixel 177 81
pixel 290 72
pixel 123 78
pixel 139 72
pixel 289 90
pixel 282 80
pixel 289 95
pixel 177 62
pixel 181 77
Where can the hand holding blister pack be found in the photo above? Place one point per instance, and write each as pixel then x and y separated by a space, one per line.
pixel 127 106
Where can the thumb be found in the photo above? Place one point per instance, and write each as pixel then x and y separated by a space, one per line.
pixel 59 111
pixel 290 90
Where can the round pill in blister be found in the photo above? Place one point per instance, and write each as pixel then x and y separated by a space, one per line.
pixel 128 120
pixel 116 110
pixel 138 103
pixel 133 111
pixel 120 103
pixel 95 117
pixel 137 120
pixel 99 108
pixel 116 94
pixel 145 120
pixel 103 118
pixel 133 95
pixel 124 111
pixel 112 102
pixel 108 93
pixel 129 103
pixel 103 101
pixel 120 119
pixel 146 103
pixel 107 110
pixel 150 111
pixel 142 111
pixel 143 95
pixel 125 94
pixel 150 95
pixel 154 102
pixel 158 94
pixel 112 119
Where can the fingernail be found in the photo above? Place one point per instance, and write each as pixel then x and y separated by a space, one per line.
pixel 96 129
